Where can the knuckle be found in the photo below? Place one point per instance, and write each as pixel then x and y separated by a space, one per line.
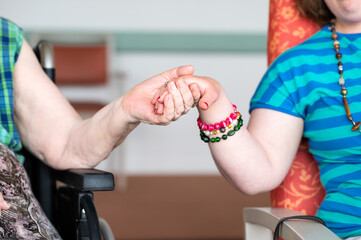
pixel 186 108
pixel 163 122
pixel 167 119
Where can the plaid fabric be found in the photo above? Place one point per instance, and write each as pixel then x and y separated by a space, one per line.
pixel 10 45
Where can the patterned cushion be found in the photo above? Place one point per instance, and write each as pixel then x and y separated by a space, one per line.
pixel 301 190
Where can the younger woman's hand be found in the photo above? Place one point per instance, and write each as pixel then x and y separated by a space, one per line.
pixel 194 90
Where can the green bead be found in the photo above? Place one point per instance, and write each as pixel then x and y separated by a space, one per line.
pixel 231 133
pixel 205 138
pixel 236 128
pixel 217 139
pixel 212 140
pixel 224 136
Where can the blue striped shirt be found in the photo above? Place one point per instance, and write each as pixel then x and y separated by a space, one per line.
pixel 303 82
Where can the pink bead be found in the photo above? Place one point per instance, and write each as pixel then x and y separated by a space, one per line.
pixel 229 121
pixel 234 107
pixel 199 124
pixel 204 127
pixel 199 119
pixel 217 126
pixel 210 127
pixel 223 124
pixel 233 116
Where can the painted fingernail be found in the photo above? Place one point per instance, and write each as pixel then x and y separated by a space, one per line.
pixel 206 104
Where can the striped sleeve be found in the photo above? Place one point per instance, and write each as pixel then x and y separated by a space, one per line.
pixel 291 84
pixel 277 91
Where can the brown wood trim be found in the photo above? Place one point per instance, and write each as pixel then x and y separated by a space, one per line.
pixel 87 106
pixel 80 64
pixel 176 207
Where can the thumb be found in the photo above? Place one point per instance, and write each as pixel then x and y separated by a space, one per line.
pixel 209 88
pixel 209 96
pixel 185 70
pixel 177 72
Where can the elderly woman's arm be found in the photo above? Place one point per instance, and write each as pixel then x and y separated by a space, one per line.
pixel 50 127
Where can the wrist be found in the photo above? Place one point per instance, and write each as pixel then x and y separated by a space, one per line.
pixel 124 111
pixel 215 132
pixel 222 107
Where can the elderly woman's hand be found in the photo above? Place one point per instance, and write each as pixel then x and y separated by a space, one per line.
pixel 138 103
pixel 194 90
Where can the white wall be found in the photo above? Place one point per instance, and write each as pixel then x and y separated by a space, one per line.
pixel 175 149
pixel 139 15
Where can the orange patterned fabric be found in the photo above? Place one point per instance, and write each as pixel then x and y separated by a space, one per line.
pixel 286 28
pixel 301 190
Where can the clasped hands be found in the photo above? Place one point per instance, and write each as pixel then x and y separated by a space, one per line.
pixel 167 96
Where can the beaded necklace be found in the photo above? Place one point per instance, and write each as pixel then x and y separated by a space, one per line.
pixel 341 81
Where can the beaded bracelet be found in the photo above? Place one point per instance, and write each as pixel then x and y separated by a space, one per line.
pixel 222 130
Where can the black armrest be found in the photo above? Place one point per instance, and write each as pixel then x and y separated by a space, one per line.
pixel 87 179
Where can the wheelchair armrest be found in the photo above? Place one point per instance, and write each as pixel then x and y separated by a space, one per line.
pixel 262 221
pixel 86 179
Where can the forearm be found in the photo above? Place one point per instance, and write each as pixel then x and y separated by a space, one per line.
pixel 90 141
pixel 244 163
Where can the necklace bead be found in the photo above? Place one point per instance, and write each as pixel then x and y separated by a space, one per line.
pixel 341 80
pixel 338 56
pixel 356 126
pixel 344 91
pixel 334 35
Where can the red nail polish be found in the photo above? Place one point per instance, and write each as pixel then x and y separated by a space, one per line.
pixel 206 104
pixel 158 97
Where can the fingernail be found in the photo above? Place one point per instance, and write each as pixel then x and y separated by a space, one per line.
pixel 158 97
pixel 206 105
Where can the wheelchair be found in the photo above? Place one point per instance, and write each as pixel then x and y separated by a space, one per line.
pixel 66 196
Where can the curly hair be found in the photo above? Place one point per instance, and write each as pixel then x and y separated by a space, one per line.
pixel 316 10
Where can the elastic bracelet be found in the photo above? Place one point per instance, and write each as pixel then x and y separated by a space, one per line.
pixel 222 130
